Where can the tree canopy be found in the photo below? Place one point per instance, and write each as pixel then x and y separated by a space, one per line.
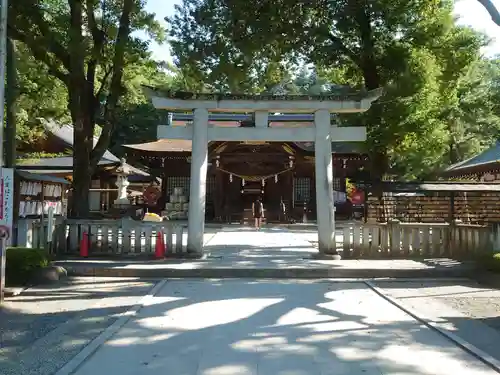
pixel 80 61
pixel 87 46
pixel 438 103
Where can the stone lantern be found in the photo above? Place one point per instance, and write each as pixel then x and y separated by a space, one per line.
pixel 122 183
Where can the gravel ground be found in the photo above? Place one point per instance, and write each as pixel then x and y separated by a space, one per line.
pixel 44 328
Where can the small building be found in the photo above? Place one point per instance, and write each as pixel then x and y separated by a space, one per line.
pixel 59 140
pixel 484 167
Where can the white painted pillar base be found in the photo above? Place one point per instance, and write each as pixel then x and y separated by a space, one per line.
pixel 198 183
pixel 325 206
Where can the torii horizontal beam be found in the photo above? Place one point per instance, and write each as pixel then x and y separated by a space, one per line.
pixel 337 134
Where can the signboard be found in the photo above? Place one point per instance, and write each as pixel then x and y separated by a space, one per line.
pixel 7 200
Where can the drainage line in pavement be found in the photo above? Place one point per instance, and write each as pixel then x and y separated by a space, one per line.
pixel 461 343
pixel 88 351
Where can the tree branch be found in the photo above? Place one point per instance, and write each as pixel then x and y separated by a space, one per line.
pixel 492 10
pixel 45 36
pixel 337 42
pixel 39 52
pixel 97 40
pixel 104 79
pixel 115 89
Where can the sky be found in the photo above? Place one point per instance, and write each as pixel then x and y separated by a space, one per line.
pixel 470 13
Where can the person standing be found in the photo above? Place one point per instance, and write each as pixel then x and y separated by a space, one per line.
pixel 283 217
pixel 258 212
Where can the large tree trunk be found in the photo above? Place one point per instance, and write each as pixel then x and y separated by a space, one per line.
pixel 81 107
pixel 82 171
pixel 369 67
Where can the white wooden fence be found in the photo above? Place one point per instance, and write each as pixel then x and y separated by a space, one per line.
pixel 401 240
pixel 381 240
pixel 112 237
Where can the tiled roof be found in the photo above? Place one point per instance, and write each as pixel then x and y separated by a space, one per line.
pixel 58 162
pixel 489 156
pixel 65 134
pixel 163 145
pixel 65 163
pixel 179 145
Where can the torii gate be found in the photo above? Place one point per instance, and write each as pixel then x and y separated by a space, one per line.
pixel 322 134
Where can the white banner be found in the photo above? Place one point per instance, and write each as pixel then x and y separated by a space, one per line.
pixel 7 200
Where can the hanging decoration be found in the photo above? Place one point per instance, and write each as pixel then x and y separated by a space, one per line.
pixel 217 163
pixel 243 182
pixel 275 178
pixel 263 182
pixel 255 178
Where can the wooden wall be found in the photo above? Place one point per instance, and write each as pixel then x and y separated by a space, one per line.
pixel 472 207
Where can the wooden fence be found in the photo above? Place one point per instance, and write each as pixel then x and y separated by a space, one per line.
pixel 111 237
pixel 383 240
pixel 400 240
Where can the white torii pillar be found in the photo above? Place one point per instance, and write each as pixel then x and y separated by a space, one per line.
pixel 198 183
pixel 325 205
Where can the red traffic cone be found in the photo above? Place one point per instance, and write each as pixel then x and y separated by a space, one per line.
pixel 159 247
pixel 84 245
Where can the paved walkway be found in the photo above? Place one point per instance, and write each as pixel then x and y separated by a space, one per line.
pixel 270 252
pixel 234 327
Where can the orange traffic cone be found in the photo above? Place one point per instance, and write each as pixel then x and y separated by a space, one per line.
pixel 159 247
pixel 84 245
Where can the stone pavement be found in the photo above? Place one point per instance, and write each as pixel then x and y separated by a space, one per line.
pixel 280 327
pixel 269 253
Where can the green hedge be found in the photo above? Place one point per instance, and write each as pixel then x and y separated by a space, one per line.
pixel 490 262
pixel 22 263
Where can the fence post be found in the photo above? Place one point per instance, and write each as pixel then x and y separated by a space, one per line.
pixel 394 229
pixel 455 243
pixel 495 237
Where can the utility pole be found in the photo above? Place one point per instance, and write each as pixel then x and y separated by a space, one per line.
pixel 11 93
pixel 3 57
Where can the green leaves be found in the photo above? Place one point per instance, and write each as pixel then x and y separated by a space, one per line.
pixel 411 48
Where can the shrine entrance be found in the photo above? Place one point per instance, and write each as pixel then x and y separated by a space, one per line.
pixel 250 171
pixel 323 133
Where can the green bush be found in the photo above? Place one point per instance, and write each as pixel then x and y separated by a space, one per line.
pixel 22 263
pixel 490 262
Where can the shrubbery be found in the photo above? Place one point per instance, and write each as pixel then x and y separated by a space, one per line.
pixel 22 263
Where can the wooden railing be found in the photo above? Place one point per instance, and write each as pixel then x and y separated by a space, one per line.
pixel 383 240
pixel 400 240
pixel 111 237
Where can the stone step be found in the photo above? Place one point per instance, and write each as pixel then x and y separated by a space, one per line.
pixel 160 271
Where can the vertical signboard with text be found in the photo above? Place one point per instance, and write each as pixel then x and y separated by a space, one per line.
pixel 7 203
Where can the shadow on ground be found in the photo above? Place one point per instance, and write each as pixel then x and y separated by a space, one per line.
pixel 45 327
pixel 239 327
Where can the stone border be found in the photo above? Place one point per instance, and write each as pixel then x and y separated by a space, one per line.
pixel 76 362
pixel 227 272
pixel 458 341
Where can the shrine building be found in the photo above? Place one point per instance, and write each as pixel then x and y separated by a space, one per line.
pixel 217 153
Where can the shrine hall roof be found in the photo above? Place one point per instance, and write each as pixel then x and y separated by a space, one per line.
pixel 163 145
pixel 178 145
pixel 488 159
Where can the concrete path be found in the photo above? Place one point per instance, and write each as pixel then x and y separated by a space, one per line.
pixel 268 253
pixel 234 327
